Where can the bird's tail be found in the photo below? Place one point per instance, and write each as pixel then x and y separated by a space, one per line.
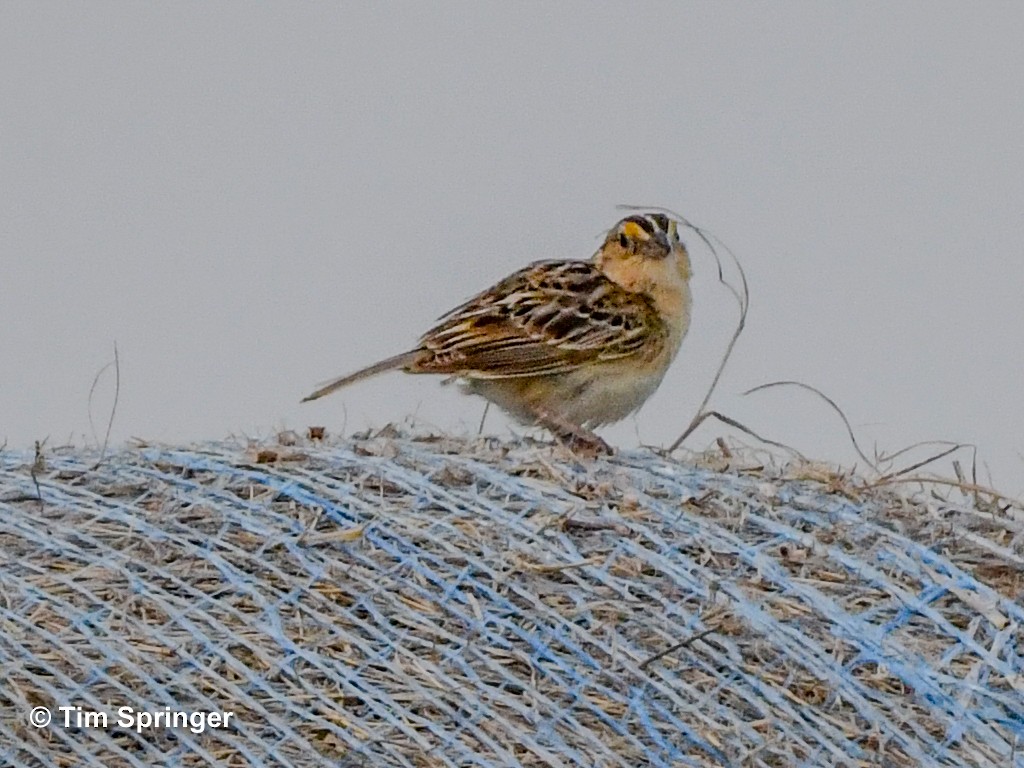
pixel 390 364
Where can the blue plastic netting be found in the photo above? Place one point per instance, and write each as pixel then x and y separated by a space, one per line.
pixel 427 602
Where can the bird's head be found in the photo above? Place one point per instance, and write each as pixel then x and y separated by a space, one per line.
pixel 641 248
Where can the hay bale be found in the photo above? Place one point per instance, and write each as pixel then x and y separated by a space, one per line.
pixel 438 602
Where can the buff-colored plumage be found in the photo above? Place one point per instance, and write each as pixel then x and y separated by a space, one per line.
pixel 569 345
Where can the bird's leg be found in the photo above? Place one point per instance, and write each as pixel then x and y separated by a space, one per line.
pixel 573 436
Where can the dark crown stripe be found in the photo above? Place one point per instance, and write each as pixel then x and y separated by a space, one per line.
pixel 660 220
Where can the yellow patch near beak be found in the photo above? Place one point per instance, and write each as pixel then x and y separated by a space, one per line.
pixel 633 231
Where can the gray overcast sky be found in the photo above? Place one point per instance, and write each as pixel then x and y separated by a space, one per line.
pixel 251 198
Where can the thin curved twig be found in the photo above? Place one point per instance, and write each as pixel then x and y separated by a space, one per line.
pixel 116 364
pixel 742 297
pixel 924 462
pixel 889 457
pixel 831 403
pixel 483 418
pixel 745 430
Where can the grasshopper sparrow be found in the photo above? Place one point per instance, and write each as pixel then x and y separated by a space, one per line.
pixel 568 345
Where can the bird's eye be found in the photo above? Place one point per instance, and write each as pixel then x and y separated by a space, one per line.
pixel 623 240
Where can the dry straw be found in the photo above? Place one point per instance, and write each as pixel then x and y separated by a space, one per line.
pixel 397 601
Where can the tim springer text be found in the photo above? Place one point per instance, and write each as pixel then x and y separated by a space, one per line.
pixel 139 721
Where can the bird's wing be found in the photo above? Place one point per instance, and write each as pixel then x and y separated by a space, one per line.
pixel 550 317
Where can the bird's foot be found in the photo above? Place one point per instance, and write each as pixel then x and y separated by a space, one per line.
pixel 575 437
pixel 586 444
